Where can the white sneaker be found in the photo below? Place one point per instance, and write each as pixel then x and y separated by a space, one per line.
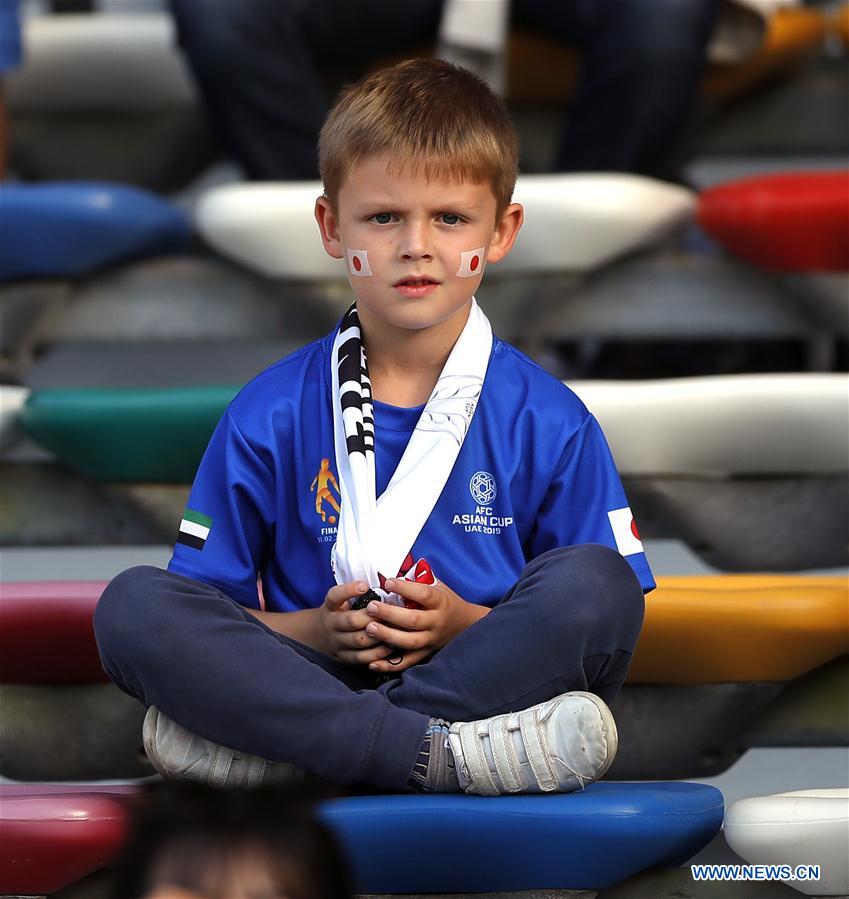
pixel 557 746
pixel 178 754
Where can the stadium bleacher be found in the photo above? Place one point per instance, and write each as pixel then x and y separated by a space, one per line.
pixel 142 282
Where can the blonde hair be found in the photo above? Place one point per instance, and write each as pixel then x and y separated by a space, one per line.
pixel 425 115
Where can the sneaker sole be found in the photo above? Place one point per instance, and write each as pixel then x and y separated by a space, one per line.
pixel 610 731
pixel 151 720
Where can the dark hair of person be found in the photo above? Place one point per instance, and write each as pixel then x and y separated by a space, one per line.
pixel 195 838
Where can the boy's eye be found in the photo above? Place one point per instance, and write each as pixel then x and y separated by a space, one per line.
pixel 449 218
pixel 382 218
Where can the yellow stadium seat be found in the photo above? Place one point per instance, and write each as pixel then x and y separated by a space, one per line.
pixel 740 628
pixel 791 34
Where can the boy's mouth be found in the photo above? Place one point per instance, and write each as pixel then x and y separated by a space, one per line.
pixel 415 281
pixel 415 286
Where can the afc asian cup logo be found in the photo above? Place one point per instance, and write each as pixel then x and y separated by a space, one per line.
pixel 482 487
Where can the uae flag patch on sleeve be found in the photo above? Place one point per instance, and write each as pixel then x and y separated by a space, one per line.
pixel 625 531
pixel 194 529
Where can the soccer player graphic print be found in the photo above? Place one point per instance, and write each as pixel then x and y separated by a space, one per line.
pixel 358 263
pixel 471 263
pixel 324 477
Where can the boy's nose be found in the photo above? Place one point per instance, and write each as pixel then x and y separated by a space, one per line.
pixel 415 244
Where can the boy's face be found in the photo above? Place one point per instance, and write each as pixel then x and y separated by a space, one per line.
pixel 415 250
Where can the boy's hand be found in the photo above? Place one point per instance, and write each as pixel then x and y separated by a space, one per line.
pixel 411 635
pixel 342 631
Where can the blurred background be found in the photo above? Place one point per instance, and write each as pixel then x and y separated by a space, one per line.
pixel 684 267
pixel 684 171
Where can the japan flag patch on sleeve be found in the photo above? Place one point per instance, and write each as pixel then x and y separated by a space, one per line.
pixel 625 531
pixel 358 263
pixel 471 263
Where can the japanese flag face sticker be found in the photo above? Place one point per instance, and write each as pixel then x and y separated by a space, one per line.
pixel 471 263
pixel 358 263
pixel 625 531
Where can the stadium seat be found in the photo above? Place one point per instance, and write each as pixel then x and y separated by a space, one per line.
pixel 573 223
pixel 124 73
pixel 722 650
pixel 586 840
pixel 674 295
pixel 697 630
pixel 723 645
pixel 141 435
pixel 676 426
pixel 12 399
pixel 803 827
pixel 748 660
pixel 753 44
pixel 84 63
pixel 62 718
pixel 718 461
pixel 810 711
pixel 737 628
pixel 790 35
pixel 730 424
pixel 89 76
pixel 795 222
pixel 713 461
pixel 51 836
pixel 47 635
pixel 159 302
pixel 69 229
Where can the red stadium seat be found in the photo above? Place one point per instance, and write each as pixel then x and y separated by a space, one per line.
pixel 47 635
pixel 787 223
pixel 51 836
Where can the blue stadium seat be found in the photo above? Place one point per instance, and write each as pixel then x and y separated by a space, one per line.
pixel 475 844
pixel 68 229
pixel 403 844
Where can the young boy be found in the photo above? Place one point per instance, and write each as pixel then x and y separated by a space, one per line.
pixel 410 456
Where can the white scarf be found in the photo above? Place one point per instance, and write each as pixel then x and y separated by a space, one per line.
pixel 376 535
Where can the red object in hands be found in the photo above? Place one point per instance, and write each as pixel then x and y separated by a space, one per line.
pixel 47 635
pixel 787 223
pixel 420 573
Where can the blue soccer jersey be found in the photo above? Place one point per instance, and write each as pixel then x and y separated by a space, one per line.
pixel 533 474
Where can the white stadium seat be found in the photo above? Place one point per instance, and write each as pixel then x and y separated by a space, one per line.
pixel 575 223
pixel 776 424
pixel 805 827
pixel 81 62
pixel 12 398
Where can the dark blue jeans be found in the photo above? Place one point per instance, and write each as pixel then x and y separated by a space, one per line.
pixel 569 623
pixel 257 64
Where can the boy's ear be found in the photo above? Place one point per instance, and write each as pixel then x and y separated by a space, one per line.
pixel 506 232
pixel 329 228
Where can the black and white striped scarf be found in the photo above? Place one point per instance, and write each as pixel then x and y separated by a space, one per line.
pixel 376 535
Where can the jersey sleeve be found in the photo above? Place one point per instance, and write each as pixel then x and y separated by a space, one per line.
pixel 225 532
pixel 586 503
